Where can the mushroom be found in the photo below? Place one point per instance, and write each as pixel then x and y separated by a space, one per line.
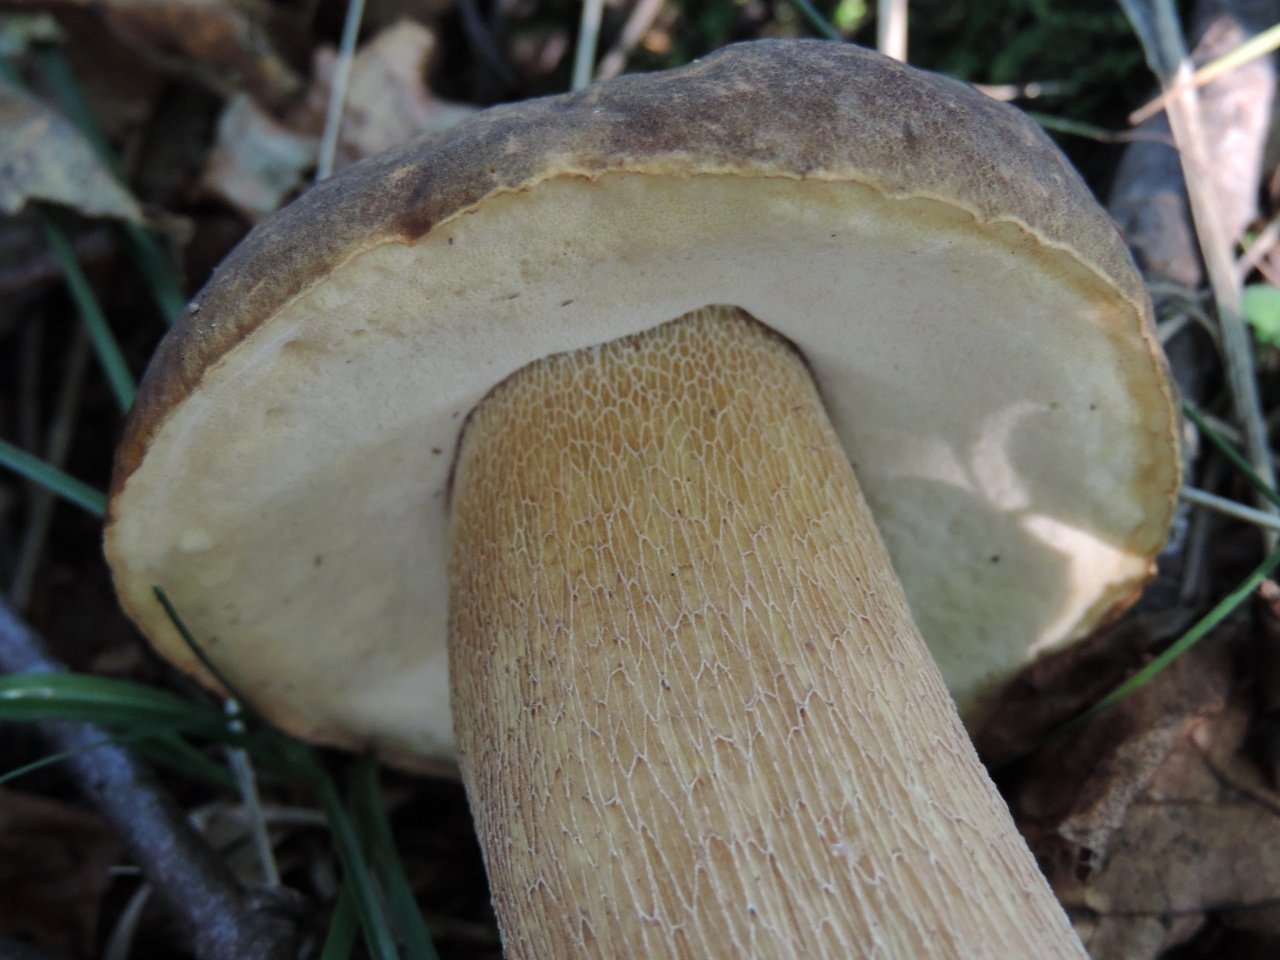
pixel 620 354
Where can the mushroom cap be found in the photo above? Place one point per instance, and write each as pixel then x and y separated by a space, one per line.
pixel 972 318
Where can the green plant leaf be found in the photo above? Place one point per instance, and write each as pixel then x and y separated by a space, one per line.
pixel 1260 305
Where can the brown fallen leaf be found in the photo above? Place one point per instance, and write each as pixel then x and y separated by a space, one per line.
pixel 44 157
pixel 1062 684
pixel 54 869
pixel 223 44
pixel 1154 817
pixel 256 162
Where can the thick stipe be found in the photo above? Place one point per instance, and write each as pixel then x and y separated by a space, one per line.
pixel 695 717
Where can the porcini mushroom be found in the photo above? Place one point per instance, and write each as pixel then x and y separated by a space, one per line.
pixel 622 353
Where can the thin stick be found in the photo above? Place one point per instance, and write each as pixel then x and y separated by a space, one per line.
pixel 338 92
pixel 891 28
pixel 584 57
pixel 197 888
pixel 1161 35
pixel 1261 246
pixel 1230 508
pixel 1255 47
pixel 1269 273
pixel 247 781
pixel 633 31
pixel 56 453
pixel 1193 592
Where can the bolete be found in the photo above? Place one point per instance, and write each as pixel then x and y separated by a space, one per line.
pixel 583 386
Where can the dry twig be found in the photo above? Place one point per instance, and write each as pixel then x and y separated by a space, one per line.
pixel 222 921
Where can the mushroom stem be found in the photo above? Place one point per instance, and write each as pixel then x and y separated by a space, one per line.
pixel 695 717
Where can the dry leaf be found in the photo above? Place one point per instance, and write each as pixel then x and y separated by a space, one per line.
pixel 256 162
pixel 44 157
pixel 1204 835
pixel 1060 685
pixel 54 869
pixel 224 44
pixel 1154 816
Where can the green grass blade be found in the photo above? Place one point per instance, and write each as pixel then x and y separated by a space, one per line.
pixel 370 817
pixel 266 744
pixel 1230 452
pixel 51 478
pixel 47 761
pixel 1200 629
pixel 344 924
pixel 242 706
pixel 95 322
pixel 816 20
pixel 166 748
pixel 173 751
pixel 373 918
pixel 289 755
pixel 56 72
pixel 1077 128
pixel 136 710
pixel 161 275
pixel 157 269
pixel 1150 27
pixel 79 697
pixel 1223 609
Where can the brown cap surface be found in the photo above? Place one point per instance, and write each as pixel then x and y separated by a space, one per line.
pixel 972 318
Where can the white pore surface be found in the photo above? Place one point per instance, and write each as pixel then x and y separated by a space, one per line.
pixel 295 507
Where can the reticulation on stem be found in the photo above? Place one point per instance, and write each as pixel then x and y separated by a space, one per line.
pixel 696 719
